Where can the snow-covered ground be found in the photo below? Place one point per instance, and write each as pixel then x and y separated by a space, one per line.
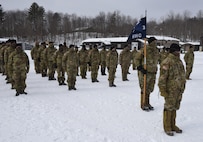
pixel 96 112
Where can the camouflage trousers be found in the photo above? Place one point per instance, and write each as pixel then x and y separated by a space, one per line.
pixel 19 78
pixel 83 70
pixel 112 72
pixel 94 71
pixel 188 71
pixel 71 73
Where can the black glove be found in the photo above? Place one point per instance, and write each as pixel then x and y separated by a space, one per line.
pixel 140 68
pixel 55 66
pixel 39 60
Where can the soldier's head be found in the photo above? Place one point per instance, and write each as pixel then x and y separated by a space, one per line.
pixel 60 47
pixel 36 43
pixel 113 48
pixel 71 47
pixel 175 49
pixel 19 47
pixel 13 43
pixel 152 40
pixel 83 47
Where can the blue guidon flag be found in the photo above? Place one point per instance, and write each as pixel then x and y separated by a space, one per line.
pixel 138 31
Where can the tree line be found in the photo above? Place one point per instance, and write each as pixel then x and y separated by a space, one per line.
pixel 37 24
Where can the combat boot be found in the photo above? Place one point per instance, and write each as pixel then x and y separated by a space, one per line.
pixel 167 122
pixel 174 127
pixel 17 94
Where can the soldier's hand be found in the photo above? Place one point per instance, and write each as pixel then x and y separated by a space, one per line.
pixel 140 68
pixel 39 60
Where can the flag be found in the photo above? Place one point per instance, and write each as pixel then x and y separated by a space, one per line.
pixel 138 31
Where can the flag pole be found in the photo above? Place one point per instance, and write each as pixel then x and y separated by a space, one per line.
pixel 145 67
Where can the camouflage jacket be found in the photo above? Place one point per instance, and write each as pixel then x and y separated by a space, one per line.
pixel 152 57
pixel 112 59
pixel 189 57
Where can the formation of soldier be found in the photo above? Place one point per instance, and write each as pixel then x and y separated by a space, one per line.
pixel 48 60
pixel 14 64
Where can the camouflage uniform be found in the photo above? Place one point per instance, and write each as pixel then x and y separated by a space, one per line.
pixel 20 65
pixel 58 61
pixel 35 56
pixel 189 60
pixel 3 47
pixel 125 61
pixel 134 54
pixel 50 59
pixel 83 60
pixel 69 63
pixel 7 53
pixel 94 61
pixel 111 63
pixel 152 55
pixel 76 51
pixel 102 54
pixel 43 59
pixel 171 85
pixel 163 55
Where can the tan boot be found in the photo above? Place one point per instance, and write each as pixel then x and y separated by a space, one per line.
pixel 173 120
pixel 167 122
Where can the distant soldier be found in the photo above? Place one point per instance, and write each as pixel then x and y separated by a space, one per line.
pixel 76 51
pixel 103 54
pixel 83 60
pixel 2 49
pixel 43 59
pixel 50 59
pixel 134 54
pixel 171 85
pixel 35 56
pixel 7 53
pixel 152 56
pixel 163 54
pixel 111 63
pixel 70 63
pixel 189 60
pixel 94 61
pixel 125 61
pixel 65 47
pixel 58 61
pixel 89 52
pixel 20 70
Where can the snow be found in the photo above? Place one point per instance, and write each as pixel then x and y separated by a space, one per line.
pixel 96 112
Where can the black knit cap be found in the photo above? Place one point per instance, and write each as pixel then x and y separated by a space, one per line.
pixel 174 47
pixel 151 39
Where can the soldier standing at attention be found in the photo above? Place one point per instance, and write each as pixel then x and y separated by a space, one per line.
pixel 58 63
pixel 124 60
pixel 43 62
pixel 134 54
pixel 172 85
pixel 35 56
pixel 83 60
pixel 20 69
pixel 50 58
pixel 189 60
pixel 94 61
pixel 152 56
pixel 111 63
pixel 102 54
pixel 70 63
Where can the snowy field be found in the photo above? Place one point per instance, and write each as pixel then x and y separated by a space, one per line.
pixel 96 112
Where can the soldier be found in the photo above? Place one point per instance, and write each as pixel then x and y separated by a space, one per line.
pixel 111 63
pixel 43 59
pixel 2 49
pixel 152 56
pixel 20 69
pixel 102 54
pixel 94 61
pixel 69 63
pixel 83 60
pixel 163 54
pixel 50 59
pixel 125 60
pixel 89 52
pixel 76 51
pixel 134 54
pixel 35 56
pixel 172 85
pixel 189 60
pixel 11 48
pixel 58 61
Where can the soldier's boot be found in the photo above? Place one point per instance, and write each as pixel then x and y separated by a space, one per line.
pixel 173 121
pixel 111 84
pixel 167 122
pixel 143 103
pixel 103 71
pixel 147 102
pixel 59 81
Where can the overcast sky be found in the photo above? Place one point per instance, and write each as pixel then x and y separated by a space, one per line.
pixel 156 9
